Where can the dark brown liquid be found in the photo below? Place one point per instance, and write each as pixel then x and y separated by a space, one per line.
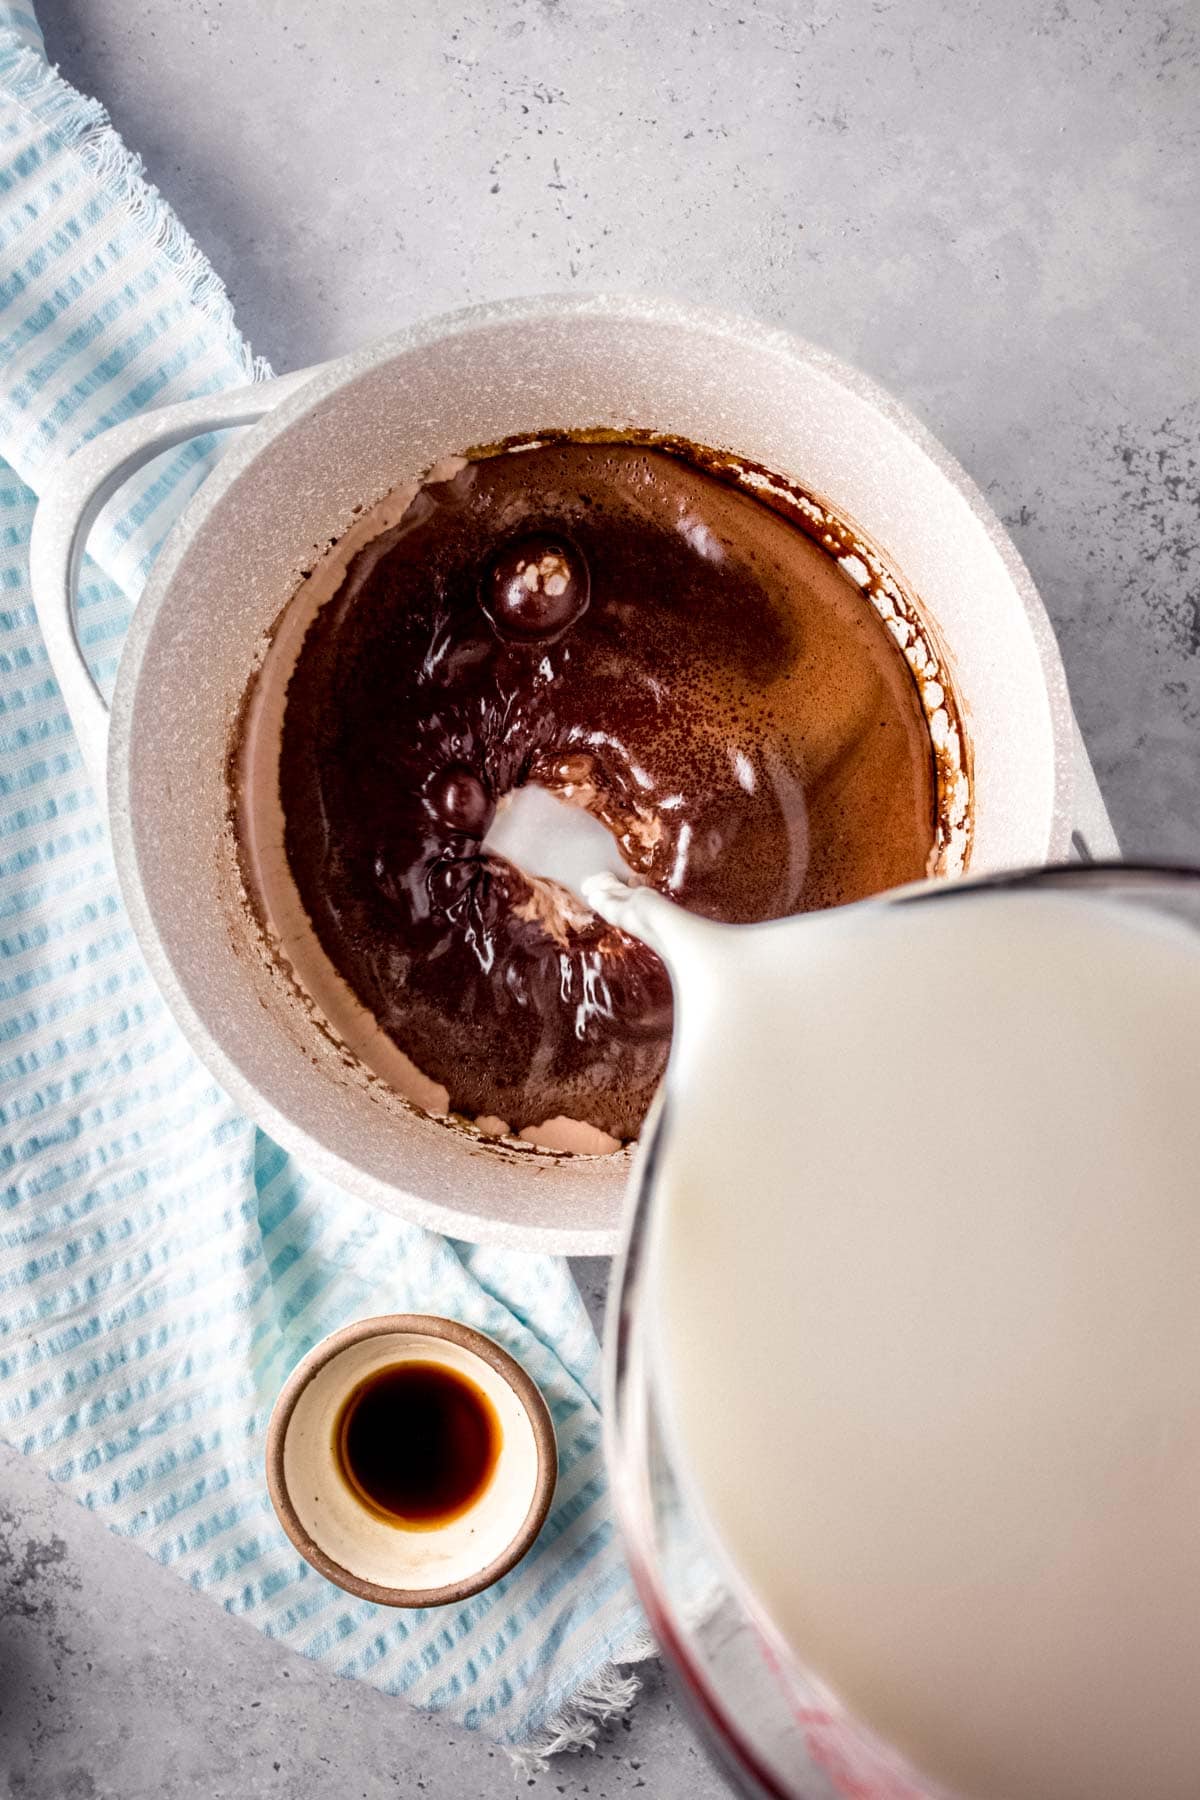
pixel 417 1443
pixel 719 694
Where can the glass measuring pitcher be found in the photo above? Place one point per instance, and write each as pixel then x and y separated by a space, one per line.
pixel 1029 1406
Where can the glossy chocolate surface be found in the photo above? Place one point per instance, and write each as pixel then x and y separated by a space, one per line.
pixel 683 660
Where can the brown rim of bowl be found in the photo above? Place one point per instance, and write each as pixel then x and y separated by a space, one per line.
pixel 429 1325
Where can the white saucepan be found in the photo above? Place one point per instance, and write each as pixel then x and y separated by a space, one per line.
pixel 322 445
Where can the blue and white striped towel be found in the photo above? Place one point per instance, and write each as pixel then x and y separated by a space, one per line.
pixel 163 1265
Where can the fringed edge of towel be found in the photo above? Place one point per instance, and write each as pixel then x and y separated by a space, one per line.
pixel 608 1696
pixel 83 125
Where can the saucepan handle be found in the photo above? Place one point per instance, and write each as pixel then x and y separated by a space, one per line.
pixel 71 499
pixel 1093 838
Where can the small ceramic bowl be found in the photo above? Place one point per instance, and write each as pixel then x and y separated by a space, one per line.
pixel 379 1558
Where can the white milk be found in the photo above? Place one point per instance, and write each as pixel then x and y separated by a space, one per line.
pixel 927 1252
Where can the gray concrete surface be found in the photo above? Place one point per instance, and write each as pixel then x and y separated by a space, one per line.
pixel 990 207
pixel 118 1683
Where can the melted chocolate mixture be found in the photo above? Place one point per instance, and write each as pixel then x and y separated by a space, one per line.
pixel 658 645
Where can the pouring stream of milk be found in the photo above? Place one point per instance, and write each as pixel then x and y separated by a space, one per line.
pixel 548 837
pixel 925 1267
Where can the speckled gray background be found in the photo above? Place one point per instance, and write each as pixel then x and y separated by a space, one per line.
pixel 992 207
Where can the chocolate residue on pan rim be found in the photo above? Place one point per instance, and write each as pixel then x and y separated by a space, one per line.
pixel 860 561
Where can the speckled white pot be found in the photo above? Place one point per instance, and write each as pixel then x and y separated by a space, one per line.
pixel 329 441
